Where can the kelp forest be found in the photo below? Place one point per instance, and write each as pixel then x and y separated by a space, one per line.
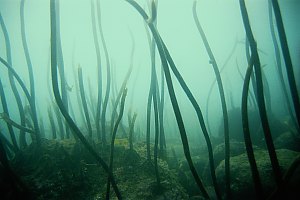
pixel 149 99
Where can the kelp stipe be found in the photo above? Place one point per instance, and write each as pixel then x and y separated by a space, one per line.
pixel 52 123
pixel 279 66
pixel 153 97
pixel 31 77
pixel 173 98
pixel 75 129
pixel 12 82
pixel 131 122
pixel 6 112
pixel 61 68
pixel 246 132
pixel 99 74
pixel 113 137
pixel 223 103
pixel 287 59
pixel 260 95
pixel 84 103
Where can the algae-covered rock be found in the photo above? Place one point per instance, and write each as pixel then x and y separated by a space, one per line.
pixel 65 170
pixel 288 140
pixel 241 178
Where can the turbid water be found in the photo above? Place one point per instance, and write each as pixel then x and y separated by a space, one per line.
pixel 149 99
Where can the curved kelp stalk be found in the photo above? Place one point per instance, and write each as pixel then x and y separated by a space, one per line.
pixel 131 130
pixel 61 67
pixel 31 76
pixel 279 66
pixel 260 96
pixel 99 74
pixel 75 129
pixel 162 141
pixel 52 123
pixel 113 137
pixel 124 83
pixel 287 59
pixel 223 102
pixel 246 131
pixel 173 98
pixel 214 82
pixel 9 126
pixel 108 75
pixel 154 95
pixel 84 103
pixel 21 83
pixel 12 82
pixel 8 120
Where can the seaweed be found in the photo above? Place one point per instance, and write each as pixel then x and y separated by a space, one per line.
pixel 260 95
pixel 162 50
pixel 31 76
pixel 113 137
pixel 12 82
pixel 60 104
pixel 84 103
pixel 224 110
pixel 287 59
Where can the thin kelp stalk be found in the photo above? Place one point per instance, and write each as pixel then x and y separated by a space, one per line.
pixel 252 98
pixel 113 137
pixel 248 56
pixel 148 125
pixel 5 110
pixel 78 99
pixel 61 68
pixel 124 83
pixel 224 106
pixel 52 123
pixel 155 99
pixel 213 84
pixel 59 122
pixel 17 77
pixel 99 74
pixel 246 131
pixel 12 82
pixel 31 76
pixel 260 96
pixel 173 98
pixel 162 138
pixel 131 130
pixel 19 80
pixel 108 75
pixel 152 97
pixel 84 103
pixel 75 129
pixel 279 66
pixel 91 102
pixel 6 118
pixel 287 59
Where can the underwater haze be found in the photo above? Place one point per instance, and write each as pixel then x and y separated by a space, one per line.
pixel 149 99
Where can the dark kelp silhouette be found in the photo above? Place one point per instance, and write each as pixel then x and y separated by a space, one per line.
pixel 60 104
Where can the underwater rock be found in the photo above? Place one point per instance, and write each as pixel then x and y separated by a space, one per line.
pixel 236 148
pixel 186 178
pixel 287 140
pixel 241 179
pixel 277 126
pixel 63 170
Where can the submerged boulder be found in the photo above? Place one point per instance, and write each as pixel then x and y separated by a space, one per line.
pixel 242 186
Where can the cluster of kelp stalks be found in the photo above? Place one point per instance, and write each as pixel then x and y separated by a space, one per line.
pixel 74 160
